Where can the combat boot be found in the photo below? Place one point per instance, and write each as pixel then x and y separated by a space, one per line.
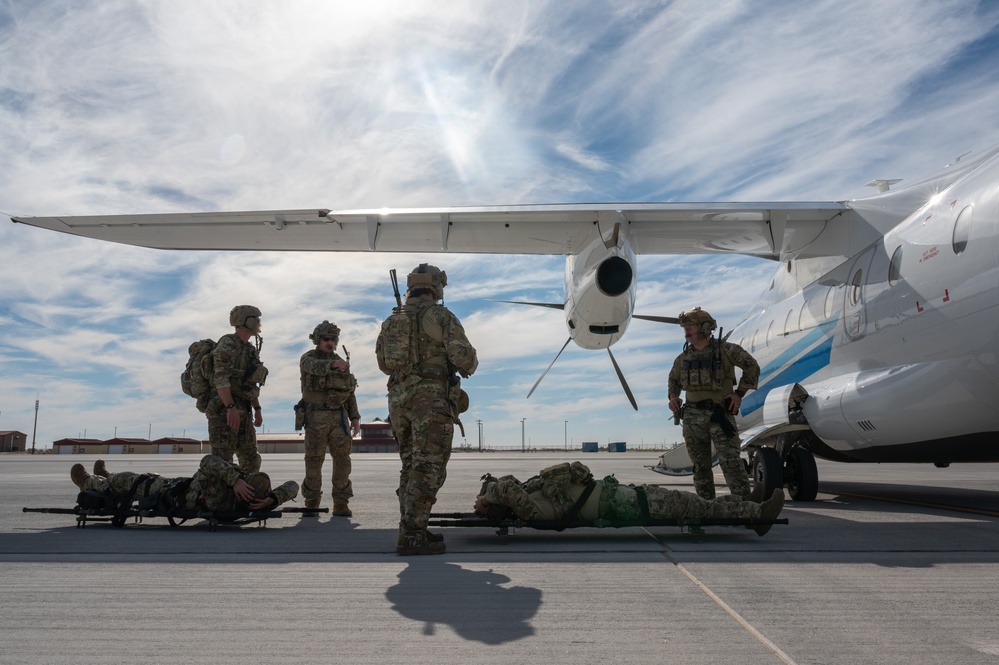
pixel 770 510
pixel 312 504
pixel 100 469
pixel 414 543
pixel 435 537
pixel 79 476
pixel 341 509
pixel 756 496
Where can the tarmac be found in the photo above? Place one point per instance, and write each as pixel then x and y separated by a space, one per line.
pixel 892 564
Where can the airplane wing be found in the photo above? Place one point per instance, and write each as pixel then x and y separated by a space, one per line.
pixel 757 229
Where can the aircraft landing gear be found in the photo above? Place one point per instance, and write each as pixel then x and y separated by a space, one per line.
pixel 801 475
pixel 798 472
pixel 767 470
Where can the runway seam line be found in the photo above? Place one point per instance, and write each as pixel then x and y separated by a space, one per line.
pixel 760 637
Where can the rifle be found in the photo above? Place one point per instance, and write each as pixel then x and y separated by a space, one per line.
pixel 395 287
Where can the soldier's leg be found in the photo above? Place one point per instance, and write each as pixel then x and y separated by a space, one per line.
pixel 246 444
pixel 402 429
pixel 339 445
pixel 221 437
pixel 316 435
pixel 433 432
pixel 730 460
pixel 698 440
pixel 671 504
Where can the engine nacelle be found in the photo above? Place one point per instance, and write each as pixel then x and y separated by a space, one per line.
pixel 867 414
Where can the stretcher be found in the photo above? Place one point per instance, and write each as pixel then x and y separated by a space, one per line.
pixel 118 517
pixel 690 525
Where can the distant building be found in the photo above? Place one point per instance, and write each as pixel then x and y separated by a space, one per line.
pixel 376 437
pixel 12 441
pixel 79 446
pixel 170 445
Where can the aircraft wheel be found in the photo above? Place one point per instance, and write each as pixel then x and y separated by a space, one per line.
pixel 767 471
pixel 802 475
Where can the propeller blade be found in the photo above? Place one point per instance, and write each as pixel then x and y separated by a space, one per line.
pixel 657 319
pixel 620 375
pixel 549 367
pixel 536 304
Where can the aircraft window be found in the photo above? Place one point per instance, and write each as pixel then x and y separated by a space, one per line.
pixel 962 229
pixel 789 266
pixel 787 322
pixel 830 301
pixel 857 282
pixel 770 332
pixel 805 319
pixel 895 267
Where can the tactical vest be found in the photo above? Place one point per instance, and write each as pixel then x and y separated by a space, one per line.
pixel 331 390
pixel 248 373
pixel 707 370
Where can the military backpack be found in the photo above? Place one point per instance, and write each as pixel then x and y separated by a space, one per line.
pixel 196 379
pixel 395 347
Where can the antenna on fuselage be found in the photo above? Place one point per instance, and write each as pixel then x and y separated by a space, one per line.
pixel 882 185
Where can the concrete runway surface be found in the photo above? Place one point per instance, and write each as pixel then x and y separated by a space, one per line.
pixel 892 564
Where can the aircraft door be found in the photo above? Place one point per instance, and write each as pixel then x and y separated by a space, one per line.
pixel 855 298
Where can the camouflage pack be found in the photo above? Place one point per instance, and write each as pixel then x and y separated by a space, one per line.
pixel 196 379
pixel 395 347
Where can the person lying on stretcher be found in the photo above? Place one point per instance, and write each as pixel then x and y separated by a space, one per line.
pixel 569 492
pixel 217 486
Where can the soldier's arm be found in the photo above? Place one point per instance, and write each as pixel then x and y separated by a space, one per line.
pixel 507 491
pixel 352 409
pixel 223 358
pixel 460 351
pixel 311 364
pixel 673 382
pixel 747 363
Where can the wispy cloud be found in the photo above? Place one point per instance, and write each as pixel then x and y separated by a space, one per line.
pixel 123 107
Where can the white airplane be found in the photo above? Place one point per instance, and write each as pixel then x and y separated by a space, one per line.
pixel 877 335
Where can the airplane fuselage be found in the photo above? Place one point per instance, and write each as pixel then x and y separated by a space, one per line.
pixel 895 346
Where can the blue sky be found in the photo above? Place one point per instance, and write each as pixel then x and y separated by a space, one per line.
pixel 129 107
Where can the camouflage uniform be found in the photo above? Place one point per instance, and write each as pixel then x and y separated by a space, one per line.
pixel 423 408
pixel 551 495
pixel 233 361
pixel 209 489
pixel 708 377
pixel 331 406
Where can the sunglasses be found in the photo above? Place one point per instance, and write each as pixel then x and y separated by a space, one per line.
pixel 328 339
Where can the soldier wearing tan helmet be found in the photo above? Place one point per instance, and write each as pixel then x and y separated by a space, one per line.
pixel 706 371
pixel 423 349
pixel 331 418
pixel 234 408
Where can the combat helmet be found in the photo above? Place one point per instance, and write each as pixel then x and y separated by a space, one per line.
pixel 261 484
pixel 241 314
pixel 698 317
pixel 324 329
pixel 426 276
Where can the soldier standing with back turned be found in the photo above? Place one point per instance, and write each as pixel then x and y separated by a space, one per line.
pixel 331 418
pixel 238 375
pixel 423 348
pixel 706 370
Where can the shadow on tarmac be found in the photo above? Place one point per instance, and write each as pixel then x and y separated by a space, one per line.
pixel 473 603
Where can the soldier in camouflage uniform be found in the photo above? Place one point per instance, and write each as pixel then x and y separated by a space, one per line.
pixel 238 375
pixel 218 486
pixel 553 493
pixel 331 418
pixel 425 401
pixel 706 370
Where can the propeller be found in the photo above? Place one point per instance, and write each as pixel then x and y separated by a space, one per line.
pixel 549 367
pixel 624 384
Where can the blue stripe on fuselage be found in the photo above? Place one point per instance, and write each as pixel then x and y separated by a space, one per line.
pixel 810 362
